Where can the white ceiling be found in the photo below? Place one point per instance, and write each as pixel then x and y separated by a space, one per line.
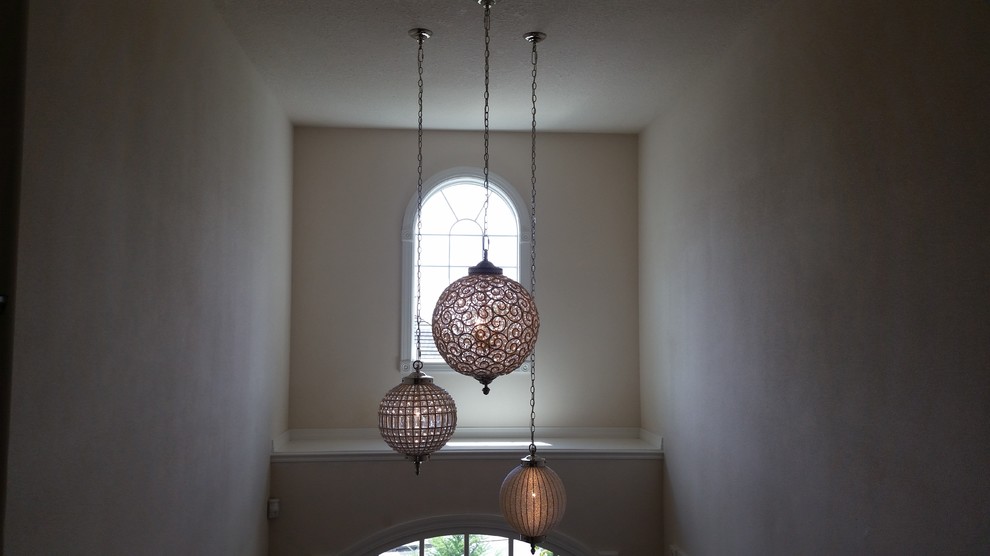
pixel 606 65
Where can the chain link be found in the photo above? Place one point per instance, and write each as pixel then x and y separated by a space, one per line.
pixel 488 40
pixel 532 260
pixel 419 204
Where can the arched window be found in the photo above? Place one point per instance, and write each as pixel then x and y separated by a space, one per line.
pixel 453 219
pixel 465 544
pixel 461 534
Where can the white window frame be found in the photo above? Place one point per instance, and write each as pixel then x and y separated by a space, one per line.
pixel 498 186
pixel 516 546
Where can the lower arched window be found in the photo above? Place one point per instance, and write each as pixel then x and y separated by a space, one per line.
pixel 466 544
pixel 461 535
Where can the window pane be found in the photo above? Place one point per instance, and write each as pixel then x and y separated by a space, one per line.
pixel 465 199
pixel 470 228
pixel 503 251
pixel 429 348
pixel 449 545
pixel 435 250
pixel 435 280
pixel 410 549
pixel 465 251
pixel 437 216
pixel 501 217
pixel 488 545
pixel 478 545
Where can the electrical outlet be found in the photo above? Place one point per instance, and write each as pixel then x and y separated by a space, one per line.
pixel 274 508
pixel 676 551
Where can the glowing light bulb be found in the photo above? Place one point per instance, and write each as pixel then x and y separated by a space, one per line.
pixel 482 335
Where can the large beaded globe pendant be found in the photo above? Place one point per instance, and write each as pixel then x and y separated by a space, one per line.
pixel 485 324
pixel 417 417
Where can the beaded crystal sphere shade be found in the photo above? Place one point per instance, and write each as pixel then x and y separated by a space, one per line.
pixel 417 417
pixel 532 499
pixel 485 324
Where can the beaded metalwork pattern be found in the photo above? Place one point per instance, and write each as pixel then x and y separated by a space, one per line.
pixel 533 500
pixel 417 419
pixel 485 326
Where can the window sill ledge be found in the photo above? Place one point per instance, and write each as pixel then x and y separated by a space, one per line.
pixel 304 445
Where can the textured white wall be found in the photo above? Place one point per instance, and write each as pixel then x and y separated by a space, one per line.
pixel 814 264
pixel 151 342
pixel 351 188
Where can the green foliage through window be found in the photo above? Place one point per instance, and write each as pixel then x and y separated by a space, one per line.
pixel 453 545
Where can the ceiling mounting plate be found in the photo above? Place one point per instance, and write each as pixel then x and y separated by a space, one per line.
pixel 419 33
pixel 535 36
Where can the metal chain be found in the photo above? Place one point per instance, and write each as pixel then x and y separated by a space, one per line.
pixel 488 40
pixel 532 260
pixel 419 205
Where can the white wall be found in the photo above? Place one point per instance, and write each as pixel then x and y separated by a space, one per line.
pixel 351 188
pixel 814 263
pixel 151 341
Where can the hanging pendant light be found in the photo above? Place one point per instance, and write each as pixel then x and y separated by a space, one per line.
pixel 417 417
pixel 532 498
pixel 485 324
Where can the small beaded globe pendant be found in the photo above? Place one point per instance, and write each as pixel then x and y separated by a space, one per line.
pixel 417 417
pixel 485 324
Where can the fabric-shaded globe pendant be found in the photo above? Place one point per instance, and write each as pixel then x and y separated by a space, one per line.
pixel 417 417
pixel 485 324
pixel 532 500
